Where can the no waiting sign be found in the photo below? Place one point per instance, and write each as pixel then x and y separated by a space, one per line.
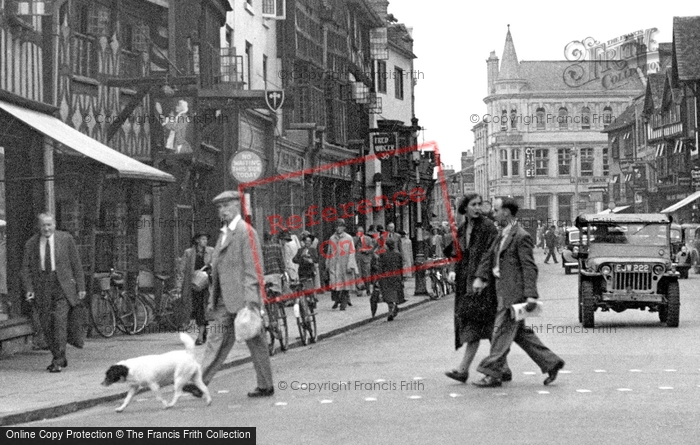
pixel 246 166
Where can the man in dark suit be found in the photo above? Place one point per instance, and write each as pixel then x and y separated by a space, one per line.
pixel 234 285
pixel 511 268
pixel 53 278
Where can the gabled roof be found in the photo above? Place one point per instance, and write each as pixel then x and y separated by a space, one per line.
pixel 686 35
pixel 625 119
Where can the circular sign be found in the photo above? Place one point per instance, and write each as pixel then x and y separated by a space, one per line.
pixel 246 166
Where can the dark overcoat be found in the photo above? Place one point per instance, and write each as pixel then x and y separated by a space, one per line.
pixel 391 285
pixel 474 313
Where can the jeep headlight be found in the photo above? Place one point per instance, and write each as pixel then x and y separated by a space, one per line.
pixel 659 269
pixel 605 270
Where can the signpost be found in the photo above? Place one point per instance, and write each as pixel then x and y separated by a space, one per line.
pixel 383 143
pixel 246 166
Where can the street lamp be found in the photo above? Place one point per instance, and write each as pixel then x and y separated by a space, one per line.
pixel 420 288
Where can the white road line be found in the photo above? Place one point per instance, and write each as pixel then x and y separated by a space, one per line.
pixel 414 397
pixel 281 404
pixel 453 395
pixel 583 390
pixel 542 392
pixel 635 370
pixel 417 378
pixel 380 380
pixel 624 389
pixel 564 372
pixel 222 391
pixel 600 370
pixel 670 370
pixel 326 401
pixel 665 387
pixel 370 399
pixel 529 373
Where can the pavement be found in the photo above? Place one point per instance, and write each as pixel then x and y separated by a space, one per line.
pixel 30 393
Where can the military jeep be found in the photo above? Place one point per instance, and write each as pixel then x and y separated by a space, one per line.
pixel 625 263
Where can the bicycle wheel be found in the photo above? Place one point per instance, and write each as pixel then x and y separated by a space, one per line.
pixel 310 321
pixel 171 309
pixel 102 315
pixel 142 319
pixel 149 302
pixel 300 313
pixel 283 328
pixel 125 313
pixel 271 328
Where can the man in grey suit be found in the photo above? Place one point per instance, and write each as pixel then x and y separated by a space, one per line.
pixel 234 285
pixel 511 268
pixel 53 279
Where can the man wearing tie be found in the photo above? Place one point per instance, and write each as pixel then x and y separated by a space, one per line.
pixel 234 285
pixel 510 267
pixel 53 279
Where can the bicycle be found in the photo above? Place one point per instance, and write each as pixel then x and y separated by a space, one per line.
pixel 111 309
pixel 438 280
pixel 304 311
pixel 274 316
pixel 163 307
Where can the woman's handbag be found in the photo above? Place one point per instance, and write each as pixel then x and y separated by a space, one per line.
pixel 248 324
pixel 200 280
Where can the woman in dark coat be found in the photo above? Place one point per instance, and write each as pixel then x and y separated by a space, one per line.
pixel 474 313
pixel 197 257
pixel 391 286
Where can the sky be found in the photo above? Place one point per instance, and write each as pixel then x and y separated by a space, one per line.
pixel 452 41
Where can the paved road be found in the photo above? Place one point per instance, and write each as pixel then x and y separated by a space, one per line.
pixel 631 380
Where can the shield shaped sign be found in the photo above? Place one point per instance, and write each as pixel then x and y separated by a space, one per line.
pixel 274 99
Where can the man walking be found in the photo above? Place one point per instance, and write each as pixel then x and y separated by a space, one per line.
pixel 341 265
pixel 53 278
pixel 234 285
pixel 511 268
pixel 550 239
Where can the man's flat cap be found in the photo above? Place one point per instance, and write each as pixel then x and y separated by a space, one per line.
pixel 228 195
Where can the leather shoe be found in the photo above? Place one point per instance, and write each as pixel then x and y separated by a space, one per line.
pixel 488 382
pixel 192 389
pixel 456 375
pixel 262 392
pixel 53 368
pixel 199 342
pixel 335 305
pixel 506 377
pixel 553 373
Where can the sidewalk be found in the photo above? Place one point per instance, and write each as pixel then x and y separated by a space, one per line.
pixel 28 392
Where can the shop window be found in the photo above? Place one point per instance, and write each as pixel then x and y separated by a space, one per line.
pixel 542 162
pixel 586 162
pixel 564 161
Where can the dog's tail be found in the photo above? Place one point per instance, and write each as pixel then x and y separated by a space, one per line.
pixel 188 342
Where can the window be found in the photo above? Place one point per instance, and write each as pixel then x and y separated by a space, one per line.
pixel 564 161
pixel 616 188
pixel 504 163
pixel 513 119
pixel 563 118
pixel 504 120
pixel 542 207
pixel 606 162
pixel 540 118
pixel 249 62
pixel 398 82
pixel 515 162
pixel 229 37
pixel 564 209
pixel 615 148
pixel 586 162
pixel 542 162
pixel 607 116
pixel 381 76
pixel 585 118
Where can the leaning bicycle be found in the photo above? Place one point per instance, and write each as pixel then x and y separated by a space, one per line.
pixel 305 312
pixel 110 308
pixel 274 315
pixel 165 305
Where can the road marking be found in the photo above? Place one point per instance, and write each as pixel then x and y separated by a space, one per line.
pixel 414 397
pixel 234 406
pixel 583 390
pixel 624 389
pixel 222 391
pixel 529 373
pixel 665 387
pixel 417 378
pixel 281 404
pixel 370 399
pixel 635 370
pixel 564 372
pixel 326 401
pixel 380 380
pixel 143 399
pixel 670 370
pixel 454 394
pixel 600 370
pixel 501 394
pixel 542 392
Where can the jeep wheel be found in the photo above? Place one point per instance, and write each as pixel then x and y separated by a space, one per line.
pixel 663 313
pixel 587 304
pixel 673 297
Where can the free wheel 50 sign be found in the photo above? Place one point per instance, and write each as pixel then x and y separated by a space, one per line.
pixel 246 166
pixel 383 143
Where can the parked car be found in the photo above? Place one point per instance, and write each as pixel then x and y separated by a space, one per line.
pixel 626 264
pixel 571 247
pixel 691 238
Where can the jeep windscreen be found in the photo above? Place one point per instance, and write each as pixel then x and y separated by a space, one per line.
pixel 631 234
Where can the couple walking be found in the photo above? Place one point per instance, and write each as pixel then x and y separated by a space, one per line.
pixel 494 273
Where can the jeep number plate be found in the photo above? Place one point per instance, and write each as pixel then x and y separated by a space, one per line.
pixel 632 267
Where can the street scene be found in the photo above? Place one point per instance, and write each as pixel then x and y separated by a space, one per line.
pixel 349 221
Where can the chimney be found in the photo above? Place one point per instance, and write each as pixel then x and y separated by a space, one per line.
pixel 491 72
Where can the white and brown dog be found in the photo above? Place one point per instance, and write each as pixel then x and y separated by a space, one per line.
pixel 155 371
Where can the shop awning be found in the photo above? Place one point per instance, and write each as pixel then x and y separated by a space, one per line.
pixel 52 127
pixel 683 202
